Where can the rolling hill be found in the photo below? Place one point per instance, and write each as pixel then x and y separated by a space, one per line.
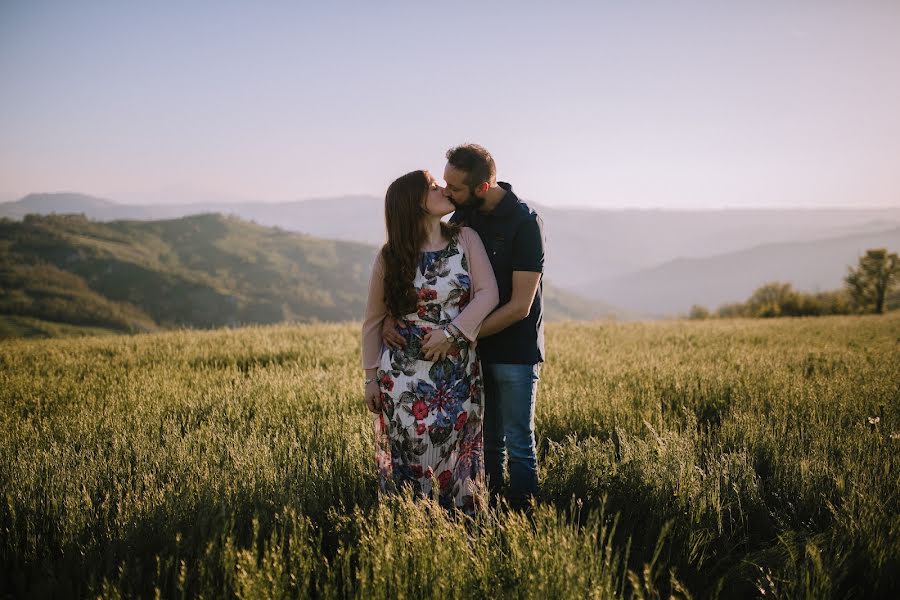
pixel 200 271
pixel 584 246
pixel 61 203
pixel 673 287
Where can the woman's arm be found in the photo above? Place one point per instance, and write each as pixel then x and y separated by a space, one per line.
pixel 376 311
pixel 484 294
pixel 483 298
pixel 524 287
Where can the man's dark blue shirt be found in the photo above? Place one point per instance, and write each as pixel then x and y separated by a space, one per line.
pixel 513 235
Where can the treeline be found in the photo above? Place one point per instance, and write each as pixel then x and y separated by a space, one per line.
pixel 868 289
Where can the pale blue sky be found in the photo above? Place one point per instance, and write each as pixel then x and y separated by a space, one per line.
pixel 607 104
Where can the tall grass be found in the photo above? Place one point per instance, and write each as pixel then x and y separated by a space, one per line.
pixel 722 458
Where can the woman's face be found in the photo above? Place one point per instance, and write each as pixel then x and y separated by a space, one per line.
pixel 436 204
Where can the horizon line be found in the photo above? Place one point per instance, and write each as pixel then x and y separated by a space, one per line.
pixel 568 207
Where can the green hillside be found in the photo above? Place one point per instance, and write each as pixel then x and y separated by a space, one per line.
pixel 201 271
pixel 16 326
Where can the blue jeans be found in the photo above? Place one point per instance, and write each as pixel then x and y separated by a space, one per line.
pixel 509 396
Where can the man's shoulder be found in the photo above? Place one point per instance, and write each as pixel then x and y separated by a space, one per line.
pixel 526 211
pixel 517 208
pixel 523 213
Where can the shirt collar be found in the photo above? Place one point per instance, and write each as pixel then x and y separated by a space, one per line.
pixel 507 203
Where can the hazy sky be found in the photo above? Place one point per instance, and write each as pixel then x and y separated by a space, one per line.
pixel 675 104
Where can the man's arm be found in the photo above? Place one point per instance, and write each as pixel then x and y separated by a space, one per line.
pixel 524 287
pixel 389 334
pixel 528 264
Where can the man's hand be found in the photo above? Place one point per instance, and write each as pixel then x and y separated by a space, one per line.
pixel 373 397
pixel 436 345
pixel 389 333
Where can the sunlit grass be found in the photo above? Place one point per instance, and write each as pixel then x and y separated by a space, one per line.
pixel 725 457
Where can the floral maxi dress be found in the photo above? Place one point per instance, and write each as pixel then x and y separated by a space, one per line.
pixel 430 427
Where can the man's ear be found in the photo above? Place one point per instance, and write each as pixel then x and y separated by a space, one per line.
pixel 482 189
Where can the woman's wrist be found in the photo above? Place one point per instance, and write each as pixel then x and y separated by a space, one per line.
pixel 371 376
pixel 457 336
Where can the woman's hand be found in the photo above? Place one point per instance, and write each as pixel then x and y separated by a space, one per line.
pixel 436 345
pixel 373 397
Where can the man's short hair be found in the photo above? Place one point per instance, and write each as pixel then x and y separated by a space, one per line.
pixel 476 162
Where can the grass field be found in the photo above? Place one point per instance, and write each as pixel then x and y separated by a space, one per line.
pixel 718 458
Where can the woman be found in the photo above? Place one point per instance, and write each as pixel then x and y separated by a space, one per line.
pixel 436 280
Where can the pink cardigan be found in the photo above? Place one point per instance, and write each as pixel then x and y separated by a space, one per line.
pixel 483 298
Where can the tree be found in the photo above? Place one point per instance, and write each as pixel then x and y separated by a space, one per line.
pixel 735 310
pixel 871 281
pixel 698 312
pixel 773 299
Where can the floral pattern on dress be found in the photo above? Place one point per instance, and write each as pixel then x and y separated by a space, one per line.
pixel 430 429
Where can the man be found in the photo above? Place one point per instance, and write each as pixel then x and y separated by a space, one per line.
pixel 511 340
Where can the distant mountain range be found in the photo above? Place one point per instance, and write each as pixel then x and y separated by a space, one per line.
pixel 347 218
pixel 605 254
pixel 199 271
pixel 677 285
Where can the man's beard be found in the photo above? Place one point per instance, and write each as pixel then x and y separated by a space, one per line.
pixel 473 203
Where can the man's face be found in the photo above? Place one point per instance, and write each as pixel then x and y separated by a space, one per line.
pixel 457 190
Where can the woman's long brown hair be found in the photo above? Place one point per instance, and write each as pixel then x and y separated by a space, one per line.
pixel 404 217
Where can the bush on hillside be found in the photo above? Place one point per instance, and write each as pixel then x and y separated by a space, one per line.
pixel 777 299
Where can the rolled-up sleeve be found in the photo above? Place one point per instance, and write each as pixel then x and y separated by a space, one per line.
pixel 483 286
pixel 376 311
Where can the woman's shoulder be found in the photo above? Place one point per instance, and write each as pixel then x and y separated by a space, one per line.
pixel 467 234
pixel 469 237
pixel 378 261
